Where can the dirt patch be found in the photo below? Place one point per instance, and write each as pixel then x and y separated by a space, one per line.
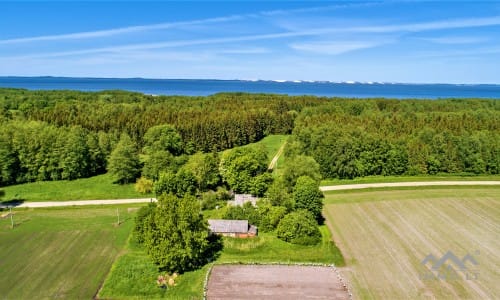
pixel 274 282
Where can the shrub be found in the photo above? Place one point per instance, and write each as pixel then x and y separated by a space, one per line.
pixel 144 185
pixel 299 227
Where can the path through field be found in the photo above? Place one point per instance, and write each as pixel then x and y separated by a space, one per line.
pixel 274 161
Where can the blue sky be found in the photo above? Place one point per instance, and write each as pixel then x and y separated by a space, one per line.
pixel 387 41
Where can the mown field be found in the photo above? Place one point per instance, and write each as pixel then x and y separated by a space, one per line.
pixel 93 188
pixel 62 253
pixel 385 235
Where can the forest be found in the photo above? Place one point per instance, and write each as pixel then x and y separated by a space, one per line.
pixel 54 135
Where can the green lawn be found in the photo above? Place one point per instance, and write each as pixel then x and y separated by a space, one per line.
pixel 384 179
pixel 134 276
pixel 60 252
pixel 97 187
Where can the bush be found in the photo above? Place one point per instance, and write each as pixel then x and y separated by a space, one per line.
pixel 300 228
pixel 144 185
pixel 270 216
pixel 143 221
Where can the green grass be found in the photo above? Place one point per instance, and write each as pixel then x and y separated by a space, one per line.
pixel 60 253
pixel 267 248
pixel 97 187
pixel 271 142
pixel 384 179
pixel 134 276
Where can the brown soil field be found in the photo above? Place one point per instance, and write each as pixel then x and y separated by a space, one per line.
pixel 274 282
pixel 385 237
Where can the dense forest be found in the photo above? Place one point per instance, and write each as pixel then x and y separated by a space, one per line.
pixel 353 138
pixel 53 135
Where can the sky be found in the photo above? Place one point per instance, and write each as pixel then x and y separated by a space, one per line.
pixel 365 41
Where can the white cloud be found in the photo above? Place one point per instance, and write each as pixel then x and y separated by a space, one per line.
pixel 333 48
pixel 452 40
pixel 117 31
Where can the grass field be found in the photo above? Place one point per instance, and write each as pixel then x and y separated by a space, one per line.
pixel 272 144
pixel 97 187
pixel 60 253
pixel 385 235
pixel 134 276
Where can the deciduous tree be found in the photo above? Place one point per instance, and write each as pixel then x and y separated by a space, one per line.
pixel 124 163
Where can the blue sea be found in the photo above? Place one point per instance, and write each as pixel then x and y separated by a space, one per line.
pixel 202 87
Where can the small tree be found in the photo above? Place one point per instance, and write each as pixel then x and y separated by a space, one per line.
pixel 124 163
pixel 177 236
pixel 299 227
pixel 307 195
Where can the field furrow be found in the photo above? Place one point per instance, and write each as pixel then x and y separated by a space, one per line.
pixel 385 242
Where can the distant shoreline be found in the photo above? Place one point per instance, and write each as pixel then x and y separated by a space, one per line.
pixel 207 87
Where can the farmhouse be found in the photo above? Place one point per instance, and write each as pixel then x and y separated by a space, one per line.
pixel 233 228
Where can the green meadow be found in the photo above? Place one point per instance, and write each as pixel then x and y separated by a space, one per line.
pixel 60 252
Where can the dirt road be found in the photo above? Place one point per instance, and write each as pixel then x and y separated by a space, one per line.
pixel 81 202
pixel 404 184
pixel 323 188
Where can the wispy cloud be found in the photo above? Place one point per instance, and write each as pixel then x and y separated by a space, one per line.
pixel 452 40
pixel 333 48
pixel 429 26
pixel 118 31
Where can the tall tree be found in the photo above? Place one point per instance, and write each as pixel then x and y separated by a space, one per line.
pixel 240 166
pixel 307 195
pixel 162 138
pixel 300 165
pixel 177 237
pixel 124 163
pixel 205 168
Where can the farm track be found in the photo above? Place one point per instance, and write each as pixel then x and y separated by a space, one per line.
pixel 405 184
pixel 323 188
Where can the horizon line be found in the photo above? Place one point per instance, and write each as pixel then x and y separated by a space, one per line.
pixel 252 80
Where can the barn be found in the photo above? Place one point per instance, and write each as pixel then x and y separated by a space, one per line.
pixel 232 228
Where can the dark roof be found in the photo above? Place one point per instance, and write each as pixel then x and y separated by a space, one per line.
pixel 228 226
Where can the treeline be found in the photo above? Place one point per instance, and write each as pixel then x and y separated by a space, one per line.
pixel 36 151
pixel 217 122
pixel 352 138
pixel 54 135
